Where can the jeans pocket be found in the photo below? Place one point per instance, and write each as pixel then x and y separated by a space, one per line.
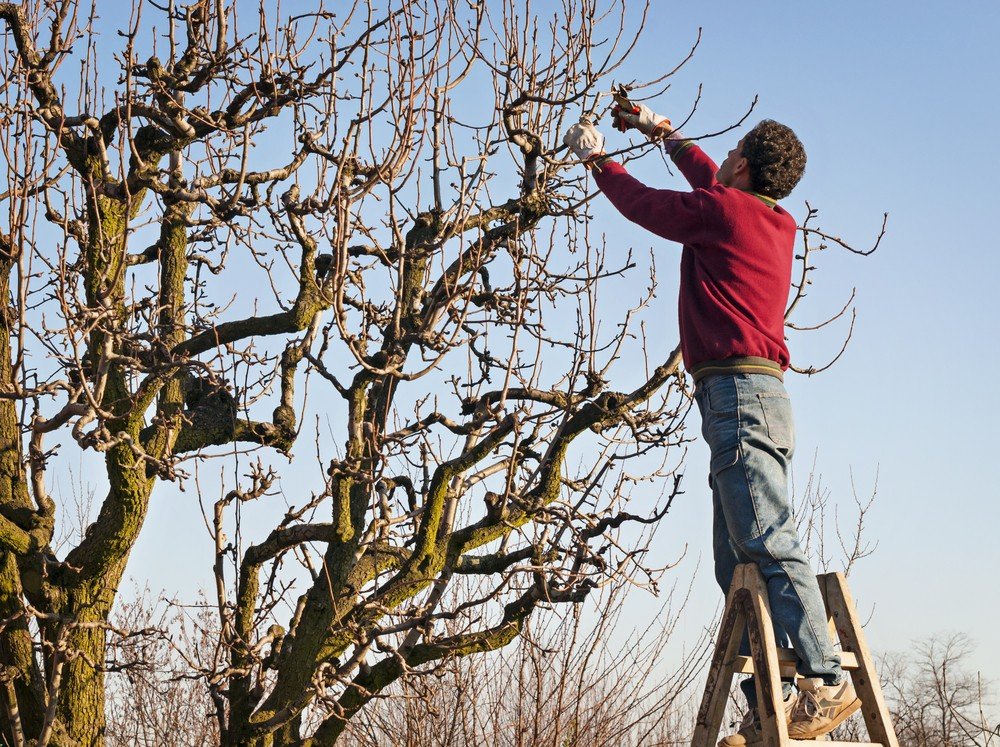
pixel 722 460
pixel 720 422
pixel 721 394
pixel 777 410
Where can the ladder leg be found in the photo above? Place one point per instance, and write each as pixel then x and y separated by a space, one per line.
pixel 865 678
pixel 720 671
pixel 764 649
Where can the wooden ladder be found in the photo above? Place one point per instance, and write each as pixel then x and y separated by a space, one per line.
pixel 747 608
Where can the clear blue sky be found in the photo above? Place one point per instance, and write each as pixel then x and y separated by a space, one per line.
pixel 896 103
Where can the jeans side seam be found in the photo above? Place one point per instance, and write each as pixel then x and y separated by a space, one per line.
pixel 743 463
pixel 756 515
pixel 798 596
pixel 784 570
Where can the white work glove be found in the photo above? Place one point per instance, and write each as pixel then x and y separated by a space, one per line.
pixel 645 120
pixel 584 140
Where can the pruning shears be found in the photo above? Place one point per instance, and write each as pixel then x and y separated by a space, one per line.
pixel 622 104
pixel 620 94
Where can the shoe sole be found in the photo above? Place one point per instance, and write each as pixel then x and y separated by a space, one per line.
pixel 834 723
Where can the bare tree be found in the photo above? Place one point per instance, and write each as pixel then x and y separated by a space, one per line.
pixel 156 696
pixel 934 697
pixel 211 204
pixel 587 679
pixel 936 700
pixel 819 528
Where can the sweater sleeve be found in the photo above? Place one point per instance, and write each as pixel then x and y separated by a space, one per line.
pixel 676 216
pixel 695 164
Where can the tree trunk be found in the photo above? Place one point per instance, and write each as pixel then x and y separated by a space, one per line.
pixel 20 677
pixel 81 690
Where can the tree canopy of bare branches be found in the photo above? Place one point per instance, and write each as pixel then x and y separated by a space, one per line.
pixel 210 205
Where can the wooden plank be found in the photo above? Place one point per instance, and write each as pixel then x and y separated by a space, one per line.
pixel 834 744
pixel 720 671
pixel 787 661
pixel 830 624
pixel 865 678
pixel 764 649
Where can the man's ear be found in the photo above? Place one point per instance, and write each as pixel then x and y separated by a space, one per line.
pixel 741 174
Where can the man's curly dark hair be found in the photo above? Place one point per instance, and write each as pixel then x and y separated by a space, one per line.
pixel 776 159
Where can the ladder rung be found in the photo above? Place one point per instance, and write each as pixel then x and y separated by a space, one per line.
pixel 835 744
pixel 787 661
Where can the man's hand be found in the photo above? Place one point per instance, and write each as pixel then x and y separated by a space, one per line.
pixel 585 140
pixel 645 120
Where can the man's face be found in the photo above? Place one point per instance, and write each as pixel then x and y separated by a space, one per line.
pixel 730 167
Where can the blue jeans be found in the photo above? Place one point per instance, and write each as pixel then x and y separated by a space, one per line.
pixel 747 423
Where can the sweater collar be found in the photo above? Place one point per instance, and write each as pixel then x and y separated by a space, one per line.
pixel 770 202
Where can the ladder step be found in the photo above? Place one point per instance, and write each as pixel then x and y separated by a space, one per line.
pixel 787 661
pixel 835 744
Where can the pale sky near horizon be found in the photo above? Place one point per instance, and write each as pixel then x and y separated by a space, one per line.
pixel 896 103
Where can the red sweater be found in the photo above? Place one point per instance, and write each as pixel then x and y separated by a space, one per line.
pixel 736 265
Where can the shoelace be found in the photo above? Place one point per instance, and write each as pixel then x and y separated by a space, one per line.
pixel 807 706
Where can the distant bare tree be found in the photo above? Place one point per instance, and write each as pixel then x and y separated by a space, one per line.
pixel 590 679
pixel 935 698
pixel 833 536
pixel 155 699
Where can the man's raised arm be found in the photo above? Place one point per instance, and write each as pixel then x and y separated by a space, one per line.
pixel 693 162
pixel 676 216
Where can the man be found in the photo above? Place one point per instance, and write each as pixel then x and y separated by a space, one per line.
pixel 736 266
